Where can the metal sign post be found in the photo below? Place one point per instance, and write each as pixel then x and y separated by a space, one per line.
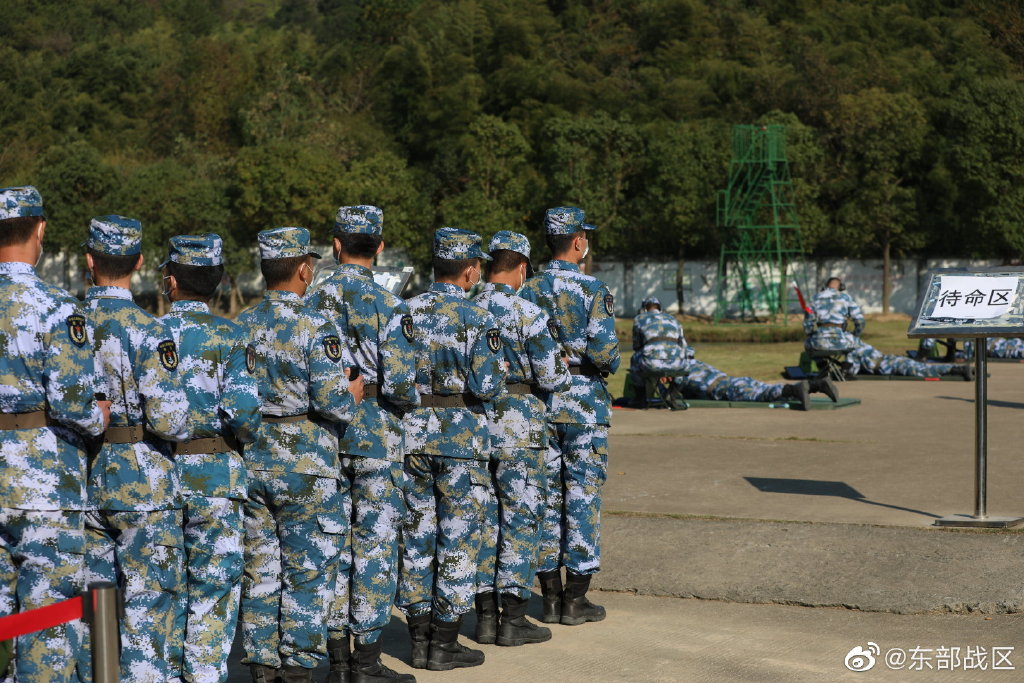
pixel 974 304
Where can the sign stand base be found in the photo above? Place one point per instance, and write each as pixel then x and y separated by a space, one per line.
pixel 979 522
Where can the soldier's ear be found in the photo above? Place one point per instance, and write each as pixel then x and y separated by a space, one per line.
pixel 380 248
pixel 138 264
pixel 41 230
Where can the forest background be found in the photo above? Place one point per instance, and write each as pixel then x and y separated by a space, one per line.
pixel 905 120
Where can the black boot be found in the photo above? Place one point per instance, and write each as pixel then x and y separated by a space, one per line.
pixel 338 651
pixel 551 589
pixel 446 652
pixel 296 674
pixel 261 673
pixel 367 667
pixel 419 634
pixel 824 386
pixel 576 609
pixel 515 628
pixel 486 617
pixel 798 391
pixel 966 371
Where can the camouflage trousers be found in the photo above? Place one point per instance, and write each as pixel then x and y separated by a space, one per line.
pixel 365 592
pixel 512 520
pixel 293 529
pixel 577 466
pixel 143 553
pixel 869 360
pixel 445 497
pixel 207 609
pixel 42 561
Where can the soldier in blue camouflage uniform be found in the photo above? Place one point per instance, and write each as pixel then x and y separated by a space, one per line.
pixel 370 319
pixel 136 537
pixel 459 367
pixel 583 312
pixel 997 347
pixel 294 512
pixel 660 347
pixel 516 419
pixel 224 413
pixel 826 331
pixel 47 406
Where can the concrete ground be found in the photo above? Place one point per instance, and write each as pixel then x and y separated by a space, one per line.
pixel 806 535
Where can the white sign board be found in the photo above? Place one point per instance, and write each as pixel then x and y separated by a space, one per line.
pixel 968 297
pixel 984 302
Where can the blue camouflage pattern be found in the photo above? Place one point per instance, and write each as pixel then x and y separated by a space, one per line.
pixel 286 242
pixel 659 345
pixel 565 220
pixel 706 382
pixel 115 235
pixel 18 202
pixel 362 219
pixel 194 250
pixel 454 244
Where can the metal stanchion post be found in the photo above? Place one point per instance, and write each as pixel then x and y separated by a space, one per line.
pixel 104 620
pixel 980 428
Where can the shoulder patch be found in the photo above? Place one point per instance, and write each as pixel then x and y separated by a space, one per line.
pixel 76 329
pixel 250 358
pixel 609 304
pixel 493 340
pixel 168 354
pixel 553 329
pixel 332 347
pixel 407 326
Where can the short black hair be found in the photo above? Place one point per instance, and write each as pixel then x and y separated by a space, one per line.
pixel 198 281
pixel 14 231
pixel 277 270
pixel 559 244
pixel 448 268
pixel 504 261
pixel 358 244
pixel 113 266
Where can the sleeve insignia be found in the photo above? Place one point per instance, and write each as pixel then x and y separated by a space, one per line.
pixel 250 358
pixel 332 347
pixel 553 329
pixel 493 340
pixel 76 329
pixel 407 327
pixel 168 354
pixel 609 304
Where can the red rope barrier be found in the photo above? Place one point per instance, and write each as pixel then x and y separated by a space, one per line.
pixel 40 619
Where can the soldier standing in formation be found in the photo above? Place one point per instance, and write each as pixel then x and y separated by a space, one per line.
pixel 583 312
pixel 459 368
pixel 294 512
pixel 136 538
pixel 513 515
pixel 224 414
pixel 46 410
pixel 378 332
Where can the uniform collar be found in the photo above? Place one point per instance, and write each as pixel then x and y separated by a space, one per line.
pixel 559 264
pixel 354 269
pixel 193 306
pixel 498 287
pixel 16 268
pixel 108 292
pixel 447 288
pixel 282 295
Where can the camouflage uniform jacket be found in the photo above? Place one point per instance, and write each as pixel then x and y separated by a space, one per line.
pixel 533 357
pixel 46 364
pixel 137 359
pixel 370 318
pixel 832 308
pixel 223 397
pixel 659 336
pixel 299 368
pixel 458 352
pixel 583 310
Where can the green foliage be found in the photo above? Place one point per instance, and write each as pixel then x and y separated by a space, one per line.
pixel 903 117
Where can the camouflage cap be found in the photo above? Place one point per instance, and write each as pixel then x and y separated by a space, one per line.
pixel 115 235
pixel 16 202
pixel 650 301
pixel 565 220
pixel 454 244
pixel 362 219
pixel 512 241
pixel 194 250
pixel 285 243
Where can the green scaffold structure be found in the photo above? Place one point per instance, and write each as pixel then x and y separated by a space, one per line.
pixel 757 215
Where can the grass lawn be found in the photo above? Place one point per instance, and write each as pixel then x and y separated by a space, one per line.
pixel 759 359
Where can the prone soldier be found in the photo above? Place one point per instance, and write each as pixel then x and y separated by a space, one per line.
pixel 518 430
pixel 459 368
pixel 375 324
pixel 583 312
pixel 223 415
pixel 135 526
pixel 294 511
pixel 46 409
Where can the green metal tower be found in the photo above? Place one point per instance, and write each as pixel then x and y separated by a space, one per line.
pixel 758 217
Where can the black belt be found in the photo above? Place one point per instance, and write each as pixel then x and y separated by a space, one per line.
pixel 586 372
pixel 521 388
pixel 36 418
pixel 213 444
pixel 830 324
pixel 284 419
pixel 654 340
pixel 453 401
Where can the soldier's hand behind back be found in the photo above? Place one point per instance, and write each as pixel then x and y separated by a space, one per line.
pixel 355 386
pixel 105 409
